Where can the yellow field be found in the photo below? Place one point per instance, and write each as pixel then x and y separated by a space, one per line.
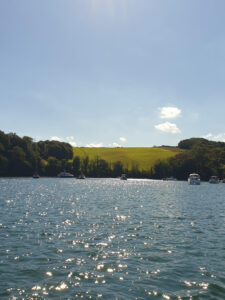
pixel 144 158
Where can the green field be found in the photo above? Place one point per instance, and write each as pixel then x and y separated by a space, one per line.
pixel 144 158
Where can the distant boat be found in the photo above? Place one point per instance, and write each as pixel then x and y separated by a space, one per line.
pixel 81 176
pixel 214 179
pixel 170 178
pixel 36 176
pixel 65 175
pixel 194 179
pixel 123 177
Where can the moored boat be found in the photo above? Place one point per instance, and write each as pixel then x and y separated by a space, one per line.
pixel 194 179
pixel 123 177
pixel 81 176
pixel 214 179
pixel 65 175
pixel 171 178
pixel 36 176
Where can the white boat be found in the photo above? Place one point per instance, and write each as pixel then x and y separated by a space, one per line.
pixel 194 179
pixel 65 175
pixel 214 179
pixel 123 177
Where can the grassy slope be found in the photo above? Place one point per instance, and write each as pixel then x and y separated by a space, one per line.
pixel 145 158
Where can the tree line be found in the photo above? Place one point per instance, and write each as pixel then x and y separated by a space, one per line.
pixel 200 156
pixel 23 157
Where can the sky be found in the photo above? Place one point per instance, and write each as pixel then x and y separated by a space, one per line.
pixel 108 73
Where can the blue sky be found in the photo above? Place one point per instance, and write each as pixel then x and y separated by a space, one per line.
pixel 113 72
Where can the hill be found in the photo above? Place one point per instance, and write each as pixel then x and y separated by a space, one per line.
pixel 142 157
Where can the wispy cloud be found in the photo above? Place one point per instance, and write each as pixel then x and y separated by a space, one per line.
pixel 114 145
pixel 56 138
pixel 94 145
pixel 71 141
pixel 169 112
pixel 68 139
pixel 123 139
pixel 220 137
pixel 207 136
pixel 168 127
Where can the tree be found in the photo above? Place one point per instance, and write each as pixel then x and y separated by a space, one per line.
pixel 53 167
pixel 117 169
pixel 76 166
pixel 84 165
pixel 3 166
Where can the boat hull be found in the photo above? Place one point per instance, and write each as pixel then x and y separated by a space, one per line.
pixel 65 175
pixel 214 180
pixel 194 182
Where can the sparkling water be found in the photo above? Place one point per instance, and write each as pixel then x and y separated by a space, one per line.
pixel 111 239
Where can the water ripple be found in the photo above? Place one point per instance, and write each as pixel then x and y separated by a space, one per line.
pixel 107 239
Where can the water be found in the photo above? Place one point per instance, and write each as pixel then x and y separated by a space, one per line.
pixel 111 239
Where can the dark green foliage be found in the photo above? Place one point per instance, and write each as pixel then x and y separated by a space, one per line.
pixel 99 168
pixel 22 156
pixel 3 165
pixel 117 169
pixel 77 166
pixel 53 167
pixel 199 142
pixel 205 160
pixel 55 149
pixel 84 165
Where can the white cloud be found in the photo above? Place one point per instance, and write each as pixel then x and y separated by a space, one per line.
pixel 207 136
pixel 68 139
pixel 93 145
pixel 123 139
pixel 220 137
pixel 56 138
pixel 73 144
pixel 168 127
pixel 169 112
pixel 114 145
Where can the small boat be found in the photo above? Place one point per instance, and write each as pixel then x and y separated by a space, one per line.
pixel 194 179
pixel 170 178
pixel 123 177
pixel 81 176
pixel 36 176
pixel 223 180
pixel 65 175
pixel 214 179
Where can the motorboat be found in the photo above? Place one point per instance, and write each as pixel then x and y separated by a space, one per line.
pixel 170 178
pixel 194 179
pixel 65 175
pixel 123 177
pixel 214 179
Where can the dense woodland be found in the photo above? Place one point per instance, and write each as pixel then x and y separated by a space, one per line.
pixel 204 157
pixel 23 157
